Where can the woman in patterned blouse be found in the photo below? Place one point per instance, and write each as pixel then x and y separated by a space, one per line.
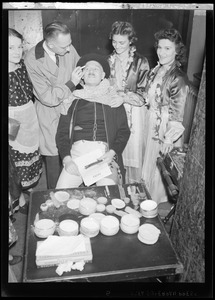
pixel 24 149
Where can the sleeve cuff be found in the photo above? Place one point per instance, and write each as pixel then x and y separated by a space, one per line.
pixel 70 85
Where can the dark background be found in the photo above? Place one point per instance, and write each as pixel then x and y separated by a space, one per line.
pixel 90 28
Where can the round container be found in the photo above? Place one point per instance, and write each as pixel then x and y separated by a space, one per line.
pixel 110 209
pixel 149 208
pixel 148 234
pixel 62 196
pixel 100 207
pixel 49 202
pixel 129 223
pixel 44 207
pixel 87 206
pixel 89 227
pixel 68 227
pixel 102 200
pixel 109 225
pixel 145 241
pixel 73 204
pixel 118 203
pixel 97 217
pixel 44 227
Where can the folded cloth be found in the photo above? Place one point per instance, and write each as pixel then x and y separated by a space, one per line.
pixel 60 246
pixel 68 266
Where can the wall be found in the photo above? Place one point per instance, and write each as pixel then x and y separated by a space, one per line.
pixel 197 44
pixel 90 28
pixel 29 24
pixel 188 230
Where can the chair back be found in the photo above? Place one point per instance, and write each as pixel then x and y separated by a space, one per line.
pixel 189 111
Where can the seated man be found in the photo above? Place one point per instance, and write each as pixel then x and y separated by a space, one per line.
pixel 91 123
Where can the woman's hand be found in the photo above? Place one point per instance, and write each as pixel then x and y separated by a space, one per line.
pixel 116 101
pixel 108 156
pixel 71 168
pixel 166 148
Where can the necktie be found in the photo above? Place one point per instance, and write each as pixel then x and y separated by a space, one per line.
pixel 57 59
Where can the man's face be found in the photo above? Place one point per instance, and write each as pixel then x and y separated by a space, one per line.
pixel 93 73
pixel 61 44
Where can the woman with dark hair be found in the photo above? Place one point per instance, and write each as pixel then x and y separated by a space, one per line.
pixel 24 152
pixel 128 70
pixel 166 88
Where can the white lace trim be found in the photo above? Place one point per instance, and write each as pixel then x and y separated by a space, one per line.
pixel 27 163
pixel 30 182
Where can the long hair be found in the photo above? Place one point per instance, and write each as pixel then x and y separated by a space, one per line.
pixel 123 28
pixel 174 36
pixel 13 32
pixel 53 29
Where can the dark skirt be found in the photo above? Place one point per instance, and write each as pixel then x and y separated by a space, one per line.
pixel 15 187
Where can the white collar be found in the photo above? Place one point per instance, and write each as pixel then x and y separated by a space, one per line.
pixel 49 52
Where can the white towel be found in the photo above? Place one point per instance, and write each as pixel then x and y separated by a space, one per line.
pixel 61 246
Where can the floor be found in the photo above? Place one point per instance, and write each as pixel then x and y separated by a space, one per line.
pixel 20 226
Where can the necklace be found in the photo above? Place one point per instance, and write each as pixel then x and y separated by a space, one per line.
pixel 112 62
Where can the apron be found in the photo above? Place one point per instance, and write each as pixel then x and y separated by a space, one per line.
pixel 27 139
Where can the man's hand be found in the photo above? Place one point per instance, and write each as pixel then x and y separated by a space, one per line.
pixel 77 75
pixel 108 156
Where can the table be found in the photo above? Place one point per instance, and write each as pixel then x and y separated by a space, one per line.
pixel 121 257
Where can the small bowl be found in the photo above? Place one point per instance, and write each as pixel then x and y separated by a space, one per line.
pixel 68 228
pixel 149 208
pixel 109 225
pixel 44 227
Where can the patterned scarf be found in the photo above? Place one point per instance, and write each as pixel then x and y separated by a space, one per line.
pixel 101 93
